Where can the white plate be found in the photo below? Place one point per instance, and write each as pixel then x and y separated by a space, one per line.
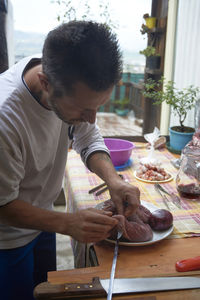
pixel 154 181
pixel 157 235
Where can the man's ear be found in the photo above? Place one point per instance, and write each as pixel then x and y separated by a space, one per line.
pixel 43 81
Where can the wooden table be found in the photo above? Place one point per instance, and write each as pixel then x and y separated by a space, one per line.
pixel 153 260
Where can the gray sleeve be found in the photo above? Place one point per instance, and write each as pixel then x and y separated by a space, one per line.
pixel 11 173
pixel 87 139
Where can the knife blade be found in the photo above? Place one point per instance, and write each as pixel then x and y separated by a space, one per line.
pixel 99 287
pixel 114 263
pixel 138 285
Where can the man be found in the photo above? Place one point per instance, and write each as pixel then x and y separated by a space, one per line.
pixel 45 102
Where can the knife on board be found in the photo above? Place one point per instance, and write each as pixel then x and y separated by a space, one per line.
pixel 99 287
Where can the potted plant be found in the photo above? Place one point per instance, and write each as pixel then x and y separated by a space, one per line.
pixel 121 106
pixel 150 21
pixel 152 58
pixel 181 102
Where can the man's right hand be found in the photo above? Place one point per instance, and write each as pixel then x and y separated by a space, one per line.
pixel 90 225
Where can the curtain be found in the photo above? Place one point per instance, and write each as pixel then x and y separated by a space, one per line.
pixel 187 51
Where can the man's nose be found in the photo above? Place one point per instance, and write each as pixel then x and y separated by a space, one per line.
pixel 90 116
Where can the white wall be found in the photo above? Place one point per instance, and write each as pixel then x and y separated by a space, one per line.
pixel 169 61
pixel 187 50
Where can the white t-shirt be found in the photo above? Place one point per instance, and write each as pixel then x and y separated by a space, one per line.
pixel 33 151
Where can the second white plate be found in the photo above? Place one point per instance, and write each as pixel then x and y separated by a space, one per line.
pixel 154 181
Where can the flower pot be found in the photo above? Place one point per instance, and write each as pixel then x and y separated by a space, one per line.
pixel 122 112
pixel 178 140
pixel 150 22
pixel 153 62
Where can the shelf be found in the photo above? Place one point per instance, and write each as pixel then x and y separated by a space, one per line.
pixel 153 71
pixel 156 30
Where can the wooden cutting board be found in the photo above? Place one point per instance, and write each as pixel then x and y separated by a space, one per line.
pixel 154 260
pixel 146 261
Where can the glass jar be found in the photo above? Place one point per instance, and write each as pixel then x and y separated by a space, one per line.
pixel 188 177
pixel 197 115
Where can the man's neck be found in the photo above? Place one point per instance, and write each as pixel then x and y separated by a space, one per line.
pixel 33 83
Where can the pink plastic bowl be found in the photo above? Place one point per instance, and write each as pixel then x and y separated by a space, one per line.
pixel 120 150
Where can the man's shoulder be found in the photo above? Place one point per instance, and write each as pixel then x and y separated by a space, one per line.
pixel 11 80
pixel 21 64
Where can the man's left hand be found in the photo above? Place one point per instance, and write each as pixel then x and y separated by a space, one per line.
pixel 125 196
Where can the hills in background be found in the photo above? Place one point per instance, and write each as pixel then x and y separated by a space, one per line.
pixel 29 43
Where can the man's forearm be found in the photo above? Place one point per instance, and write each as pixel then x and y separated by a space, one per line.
pixel 101 164
pixel 86 226
pixel 21 214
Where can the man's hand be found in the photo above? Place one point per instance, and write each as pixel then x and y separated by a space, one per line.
pixel 125 196
pixel 90 225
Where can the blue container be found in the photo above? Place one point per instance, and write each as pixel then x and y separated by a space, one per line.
pixel 178 140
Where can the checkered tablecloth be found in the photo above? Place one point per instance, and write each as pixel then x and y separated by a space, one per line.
pixel 79 180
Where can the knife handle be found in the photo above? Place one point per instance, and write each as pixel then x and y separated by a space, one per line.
pixel 189 264
pixel 50 291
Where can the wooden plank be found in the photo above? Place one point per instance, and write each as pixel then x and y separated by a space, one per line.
pixel 117 91
pixel 137 100
pixel 156 39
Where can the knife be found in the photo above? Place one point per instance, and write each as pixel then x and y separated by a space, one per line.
pixel 99 287
pixel 112 274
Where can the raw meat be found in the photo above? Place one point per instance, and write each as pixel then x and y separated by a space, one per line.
pixel 136 227
pixel 152 173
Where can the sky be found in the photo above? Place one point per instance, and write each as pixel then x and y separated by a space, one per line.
pixel 41 16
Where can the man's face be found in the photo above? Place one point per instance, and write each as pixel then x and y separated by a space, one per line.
pixel 80 106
